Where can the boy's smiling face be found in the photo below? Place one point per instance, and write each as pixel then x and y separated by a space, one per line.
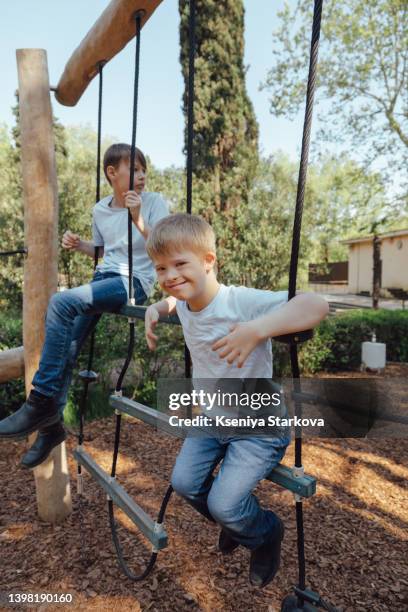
pixel 187 275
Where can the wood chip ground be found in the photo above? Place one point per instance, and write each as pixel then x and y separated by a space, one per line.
pixel 356 532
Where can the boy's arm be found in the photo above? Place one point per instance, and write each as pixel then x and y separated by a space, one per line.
pixel 153 313
pixel 302 312
pixel 88 248
pixel 73 242
pixel 133 202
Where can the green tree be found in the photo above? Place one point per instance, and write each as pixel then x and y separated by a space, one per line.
pixel 256 253
pixel 76 170
pixel 170 182
pixel 362 77
pixel 11 223
pixel 340 200
pixel 342 197
pixel 225 129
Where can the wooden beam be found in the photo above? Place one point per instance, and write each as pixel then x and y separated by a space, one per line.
pixel 282 475
pixel 151 529
pixel 11 364
pixel 109 35
pixel 40 196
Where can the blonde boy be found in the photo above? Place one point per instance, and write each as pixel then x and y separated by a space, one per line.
pixel 227 330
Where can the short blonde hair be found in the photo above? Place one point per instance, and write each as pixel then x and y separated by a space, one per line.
pixel 180 231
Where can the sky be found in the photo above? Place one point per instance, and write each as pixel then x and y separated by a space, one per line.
pixel 59 27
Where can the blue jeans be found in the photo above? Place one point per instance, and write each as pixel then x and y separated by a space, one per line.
pixel 71 317
pixel 227 498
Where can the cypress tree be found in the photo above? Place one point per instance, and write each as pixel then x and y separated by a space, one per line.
pixel 225 129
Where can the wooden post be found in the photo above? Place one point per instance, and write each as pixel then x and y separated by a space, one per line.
pixel 11 364
pixel 40 196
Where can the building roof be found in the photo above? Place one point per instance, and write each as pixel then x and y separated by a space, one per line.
pixel 394 234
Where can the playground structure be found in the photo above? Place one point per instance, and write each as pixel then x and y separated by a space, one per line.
pixel 112 31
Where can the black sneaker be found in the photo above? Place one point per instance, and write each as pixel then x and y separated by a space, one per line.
pixel 37 412
pixel 265 559
pixel 47 439
pixel 226 544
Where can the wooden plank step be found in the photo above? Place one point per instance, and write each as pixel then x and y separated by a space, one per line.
pixel 282 475
pixel 305 485
pixel 155 532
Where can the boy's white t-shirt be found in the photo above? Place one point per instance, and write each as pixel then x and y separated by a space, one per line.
pixel 110 230
pixel 231 305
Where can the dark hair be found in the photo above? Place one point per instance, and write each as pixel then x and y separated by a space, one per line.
pixel 116 152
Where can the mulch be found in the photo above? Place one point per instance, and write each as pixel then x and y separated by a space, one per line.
pixel 356 531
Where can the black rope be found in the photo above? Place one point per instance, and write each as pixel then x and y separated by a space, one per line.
pixel 300 196
pixel 116 445
pixel 118 547
pixel 118 389
pixel 16 252
pixel 131 344
pixel 190 135
pixel 99 143
pixel 138 17
pixel 297 224
pixel 115 537
pixel 190 104
pixel 88 379
pixel 96 256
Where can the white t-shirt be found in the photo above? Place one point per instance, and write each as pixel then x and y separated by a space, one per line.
pixel 110 230
pixel 231 305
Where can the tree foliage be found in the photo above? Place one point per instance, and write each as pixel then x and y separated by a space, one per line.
pixel 362 77
pixel 342 200
pixel 11 222
pixel 253 240
pixel 253 245
pixel 225 128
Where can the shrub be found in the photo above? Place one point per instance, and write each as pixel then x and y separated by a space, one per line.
pixel 336 344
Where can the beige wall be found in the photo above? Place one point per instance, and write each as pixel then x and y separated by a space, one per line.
pixel 335 288
pixel 394 264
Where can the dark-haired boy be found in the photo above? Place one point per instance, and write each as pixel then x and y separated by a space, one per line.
pixel 72 314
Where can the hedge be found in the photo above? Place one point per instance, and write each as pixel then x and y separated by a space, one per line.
pixel 336 344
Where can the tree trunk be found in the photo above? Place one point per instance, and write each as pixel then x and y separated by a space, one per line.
pixel 376 270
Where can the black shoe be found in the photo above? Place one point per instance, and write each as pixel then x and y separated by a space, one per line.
pixel 265 559
pixel 226 544
pixel 47 439
pixel 37 412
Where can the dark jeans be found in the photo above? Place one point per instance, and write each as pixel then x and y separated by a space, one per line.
pixel 71 317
